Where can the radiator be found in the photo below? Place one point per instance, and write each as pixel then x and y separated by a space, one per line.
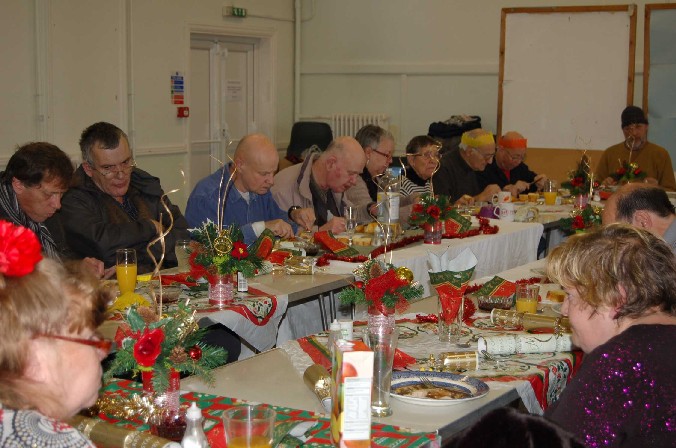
pixel 349 124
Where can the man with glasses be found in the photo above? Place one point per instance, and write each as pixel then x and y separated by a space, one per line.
pixel 378 144
pixel 508 169
pixel 114 205
pixel 31 188
pixel 652 159
pixel 457 176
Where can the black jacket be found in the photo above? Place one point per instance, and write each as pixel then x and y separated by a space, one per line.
pixel 494 175
pixel 96 226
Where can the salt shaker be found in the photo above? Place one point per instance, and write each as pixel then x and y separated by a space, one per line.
pixel 194 436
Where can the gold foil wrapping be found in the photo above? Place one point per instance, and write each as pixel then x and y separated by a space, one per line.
pixel 318 379
pixel 106 435
pixel 453 362
pixel 299 265
pixel 511 318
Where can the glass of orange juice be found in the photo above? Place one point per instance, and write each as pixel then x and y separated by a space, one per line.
pixel 249 426
pixel 527 298
pixel 126 270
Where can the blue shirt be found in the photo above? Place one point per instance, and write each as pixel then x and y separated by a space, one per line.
pixel 203 205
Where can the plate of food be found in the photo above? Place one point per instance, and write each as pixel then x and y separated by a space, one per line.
pixel 445 388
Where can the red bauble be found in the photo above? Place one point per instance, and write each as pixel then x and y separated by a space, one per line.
pixel 359 284
pixel 195 353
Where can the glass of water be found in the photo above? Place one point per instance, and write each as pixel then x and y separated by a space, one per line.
pixel 350 215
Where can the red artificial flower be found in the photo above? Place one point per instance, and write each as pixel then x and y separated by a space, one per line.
pixel 576 182
pixel 621 171
pixel 434 211
pixel 239 250
pixel 20 250
pixel 578 223
pixel 148 347
pixel 417 208
pixel 637 171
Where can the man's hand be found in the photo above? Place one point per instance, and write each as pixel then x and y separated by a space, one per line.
pixel 335 225
pixel 487 194
pixel 540 180
pixel 514 189
pixel 304 217
pixel 95 266
pixel 465 199
pixel 280 228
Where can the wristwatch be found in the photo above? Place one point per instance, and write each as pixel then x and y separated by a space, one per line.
pixel 293 207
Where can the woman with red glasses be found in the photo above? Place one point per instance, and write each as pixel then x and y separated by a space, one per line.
pixel 50 354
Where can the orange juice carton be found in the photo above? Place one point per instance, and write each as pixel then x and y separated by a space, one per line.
pixel 352 375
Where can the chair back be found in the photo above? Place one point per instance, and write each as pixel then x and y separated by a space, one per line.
pixel 307 133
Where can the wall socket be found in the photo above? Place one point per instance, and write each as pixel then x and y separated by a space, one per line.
pixel 234 11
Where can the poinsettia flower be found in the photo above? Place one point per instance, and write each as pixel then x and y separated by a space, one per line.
pixel 434 211
pixel 148 347
pixel 239 250
pixel 637 171
pixel 20 250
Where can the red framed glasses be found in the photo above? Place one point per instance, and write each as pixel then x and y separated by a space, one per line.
pixel 105 345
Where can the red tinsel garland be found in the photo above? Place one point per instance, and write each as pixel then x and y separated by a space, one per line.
pixel 484 227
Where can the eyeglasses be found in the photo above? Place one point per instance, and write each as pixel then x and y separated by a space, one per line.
pixel 111 170
pixel 105 345
pixel 515 157
pixel 384 154
pixel 432 155
pixel 487 157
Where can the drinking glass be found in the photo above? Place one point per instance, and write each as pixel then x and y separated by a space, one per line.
pixel 126 270
pixel 350 215
pixel 183 255
pixel 527 298
pixel 550 192
pixel 249 426
pixel 383 342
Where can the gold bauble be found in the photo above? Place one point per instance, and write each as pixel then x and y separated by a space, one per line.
pixel 404 273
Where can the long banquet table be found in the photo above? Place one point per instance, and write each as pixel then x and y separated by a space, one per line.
pixel 535 379
pixel 282 307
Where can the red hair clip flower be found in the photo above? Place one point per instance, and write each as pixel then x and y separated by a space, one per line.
pixel 20 250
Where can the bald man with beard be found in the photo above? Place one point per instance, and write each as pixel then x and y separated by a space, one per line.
pixel 248 201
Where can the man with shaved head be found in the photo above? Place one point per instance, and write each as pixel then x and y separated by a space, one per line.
pixel 508 169
pixel 315 189
pixel 643 205
pixel 248 201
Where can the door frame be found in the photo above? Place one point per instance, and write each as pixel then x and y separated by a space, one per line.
pixel 265 101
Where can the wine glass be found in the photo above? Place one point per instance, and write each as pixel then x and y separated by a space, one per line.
pixel 350 215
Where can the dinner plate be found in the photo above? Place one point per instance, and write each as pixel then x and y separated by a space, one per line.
pixel 472 388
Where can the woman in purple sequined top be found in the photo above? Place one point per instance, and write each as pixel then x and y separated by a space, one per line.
pixel 621 285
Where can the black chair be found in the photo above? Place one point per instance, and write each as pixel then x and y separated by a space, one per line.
pixel 305 134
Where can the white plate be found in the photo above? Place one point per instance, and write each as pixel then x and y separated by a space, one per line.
pixel 473 387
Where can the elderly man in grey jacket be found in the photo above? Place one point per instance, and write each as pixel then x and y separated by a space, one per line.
pixel 313 191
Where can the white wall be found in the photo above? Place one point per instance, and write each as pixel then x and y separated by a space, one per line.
pixel 417 61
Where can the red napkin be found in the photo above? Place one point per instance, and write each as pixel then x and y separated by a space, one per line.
pixel 183 278
pixel 402 360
